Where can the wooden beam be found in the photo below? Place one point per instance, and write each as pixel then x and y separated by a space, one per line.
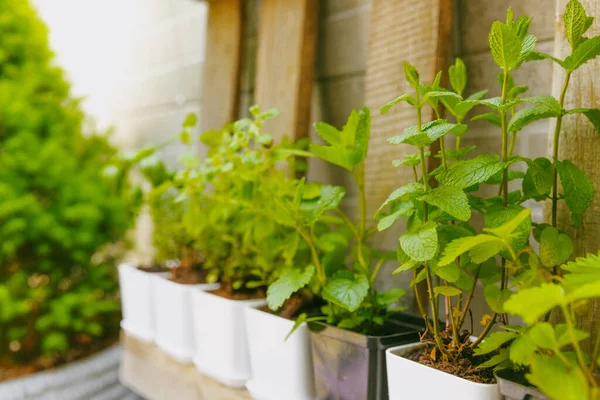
pixel 401 30
pixel 221 78
pixel 149 372
pixel 287 31
pixel 580 144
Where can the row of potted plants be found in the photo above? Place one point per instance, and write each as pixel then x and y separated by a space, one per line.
pixel 272 284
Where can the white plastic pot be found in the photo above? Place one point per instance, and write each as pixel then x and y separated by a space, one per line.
pixel 408 379
pixel 137 300
pixel 220 337
pixel 281 369
pixel 173 314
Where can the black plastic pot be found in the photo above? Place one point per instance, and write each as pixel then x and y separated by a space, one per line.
pixel 514 386
pixel 351 366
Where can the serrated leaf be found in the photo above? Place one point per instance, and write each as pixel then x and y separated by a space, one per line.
pixel 402 193
pixel 429 133
pixel 496 297
pixel 411 74
pixel 583 270
pixel 439 94
pixel 405 97
pixel 451 200
pixel 480 247
pixel 555 247
pixel 563 337
pixel 585 52
pixel 521 350
pixel 533 303
pixel 346 289
pixel 592 114
pixel 458 76
pixel 471 172
pixel 329 199
pixel 389 220
pixel 575 21
pixel 493 342
pixel 491 117
pixel 389 297
pixel 538 177
pixel 288 283
pixel 505 46
pixel 508 222
pixel 577 186
pixel 557 380
pixel 584 292
pixel 421 244
pixel 542 334
pixel 328 133
pixel 447 291
pixel 499 358
pixel 449 273
pixel 536 56
pixel 526 116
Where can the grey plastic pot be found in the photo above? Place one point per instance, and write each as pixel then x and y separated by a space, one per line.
pixel 349 365
pixel 514 387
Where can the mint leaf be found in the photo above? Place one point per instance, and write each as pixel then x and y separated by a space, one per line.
pixel 578 189
pixel 329 199
pixel 526 116
pixel 389 297
pixel 471 172
pixel 411 74
pixel 449 273
pixel 288 283
pixel 505 46
pixel 447 291
pixel 346 289
pixel 451 200
pixel 532 303
pixel 402 193
pixel 555 247
pixel 493 342
pixel 480 248
pixel 496 297
pixel 512 223
pixel 491 117
pixel 458 76
pixel 593 114
pixel 405 97
pixel 575 21
pixel 585 52
pixel 538 178
pixel 328 133
pixel 422 243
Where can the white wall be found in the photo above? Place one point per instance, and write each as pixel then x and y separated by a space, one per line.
pixel 137 62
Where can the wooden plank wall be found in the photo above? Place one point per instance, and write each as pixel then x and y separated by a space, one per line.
pixel 221 78
pixel 287 32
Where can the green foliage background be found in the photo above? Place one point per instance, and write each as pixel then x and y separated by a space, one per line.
pixel 57 207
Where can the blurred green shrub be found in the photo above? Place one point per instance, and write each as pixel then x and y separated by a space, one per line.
pixel 59 209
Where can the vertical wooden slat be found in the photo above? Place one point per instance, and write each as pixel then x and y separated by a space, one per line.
pixel 401 30
pixel 221 79
pixel 287 31
pixel 580 143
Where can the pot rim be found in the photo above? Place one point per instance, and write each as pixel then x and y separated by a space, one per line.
pixel 251 302
pixel 392 351
pixel 203 286
pixel 527 389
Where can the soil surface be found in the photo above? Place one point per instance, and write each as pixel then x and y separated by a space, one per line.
pixel 464 366
pixel 227 292
pixel 188 276
pixel 293 307
pixel 10 370
pixel 153 268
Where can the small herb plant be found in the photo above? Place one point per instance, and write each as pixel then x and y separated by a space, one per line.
pixel 441 246
pixel 342 268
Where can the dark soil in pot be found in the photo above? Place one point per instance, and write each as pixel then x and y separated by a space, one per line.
pixel 294 306
pixel 153 268
pixel 227 291
pixel 189 276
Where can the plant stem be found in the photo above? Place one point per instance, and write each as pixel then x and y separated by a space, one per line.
pixel 422 310
pixel 576 347
pixel 414 168
pixel 315 256
pixel 504 187
pixel 463 315
pixel 486 330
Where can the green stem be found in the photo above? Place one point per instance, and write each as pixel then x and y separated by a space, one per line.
pixel 504 186
pixel 486 330
pixel 463 315
pixel 576 347
pixel 443 152
pixel 458 121
pixel 555 151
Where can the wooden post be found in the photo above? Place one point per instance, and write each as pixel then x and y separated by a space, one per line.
pixel 287 31
pixel 221 78
pixel 580 143
pixel 401 30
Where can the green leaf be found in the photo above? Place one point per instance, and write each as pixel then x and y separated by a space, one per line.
pixel 471 172
pixel 190 121
pixel 185 137
pixel 289 282
pixel 557 380
pixel 578 188
pixel 542 334
pixel 439 94
pixel 593 114
pixel 513 219
pixel 563 336
pixel 532 303
pixel 505 46
pixel 490 117
pixel 458 76
pixel 389 297
pixel 575 21
pixel 346 289
pixel 328 133
pixel 526 116
pixel 451 200
pixel 496 297
pixel 480 248
pixel 411 74
pixel 582 271
pixel 402 193
pixel 522 349
pixel 414 137
pixel 536 56
pixel 447 291
pixel 449 273
pixel 499 358
pixel 330 199
pixel 585 52
pixel 538 178
pixel 405 210
pixel 421 244
pixel 299 321
pixel 493 342
pixel 405 97
pixel 584 292
pixel 555 247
